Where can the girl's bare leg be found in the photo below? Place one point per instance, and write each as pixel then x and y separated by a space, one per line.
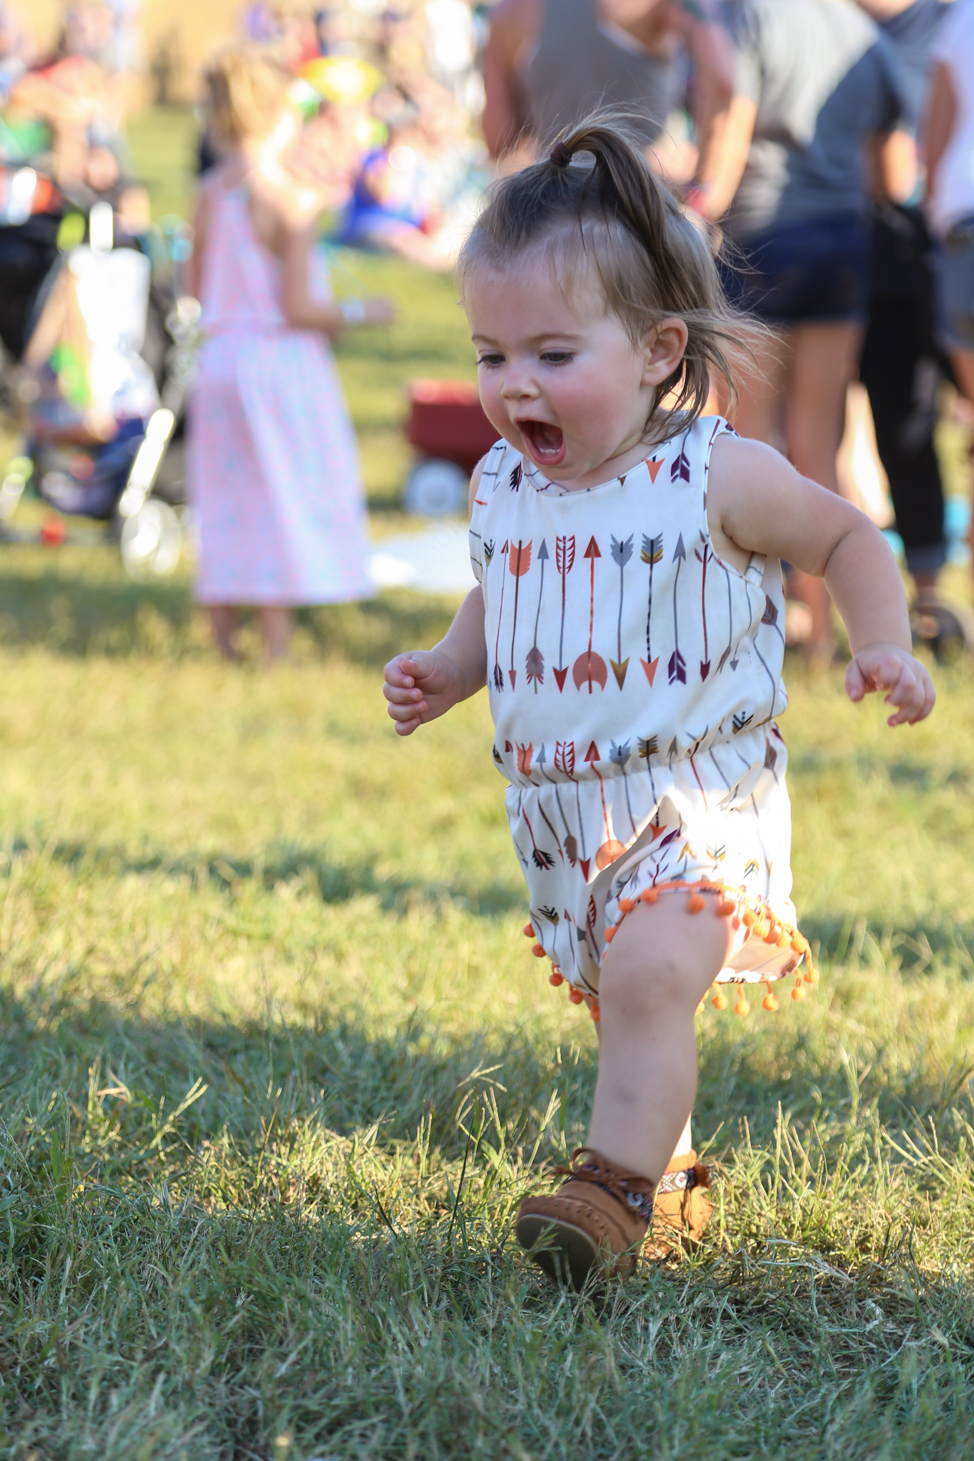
pixel 223 622
pixel 685 1141
pixel 762 389
pixel 276 626
pixel 963 363
pixel 654 974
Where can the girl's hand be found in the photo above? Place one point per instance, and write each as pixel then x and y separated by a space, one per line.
pixel 906 682
pixel 420 686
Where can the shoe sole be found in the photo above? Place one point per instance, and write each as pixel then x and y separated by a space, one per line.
pixel 568 1254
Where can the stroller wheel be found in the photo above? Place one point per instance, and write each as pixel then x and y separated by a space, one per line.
pixel 436 488
pixel 151 541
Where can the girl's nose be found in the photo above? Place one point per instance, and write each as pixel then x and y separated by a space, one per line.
pixel 518 384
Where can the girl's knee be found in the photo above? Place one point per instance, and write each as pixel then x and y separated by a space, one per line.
pixel 635 983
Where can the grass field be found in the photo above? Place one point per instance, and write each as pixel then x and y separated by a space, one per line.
pixel 275 1068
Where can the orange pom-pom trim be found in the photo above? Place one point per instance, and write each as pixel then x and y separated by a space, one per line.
pixel 596 1012
pixel 732 902
pixel 537 951
pixel 528 930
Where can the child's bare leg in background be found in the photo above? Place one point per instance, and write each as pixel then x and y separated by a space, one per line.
pixel 276 627
pixel 659 966
pixel 223 622
pixel 807 367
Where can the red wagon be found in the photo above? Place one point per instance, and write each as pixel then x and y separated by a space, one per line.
pixel 447 426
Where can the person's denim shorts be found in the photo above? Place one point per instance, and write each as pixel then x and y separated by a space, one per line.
pixel 954 282
pixel 813 272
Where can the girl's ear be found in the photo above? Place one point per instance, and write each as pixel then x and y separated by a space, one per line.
pixel 664 346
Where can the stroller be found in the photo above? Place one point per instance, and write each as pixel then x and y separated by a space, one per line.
pixel 97 357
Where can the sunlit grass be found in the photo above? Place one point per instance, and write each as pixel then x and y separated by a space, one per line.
pixel 277 1069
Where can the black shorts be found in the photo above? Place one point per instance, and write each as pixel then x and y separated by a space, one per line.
pixel 813 272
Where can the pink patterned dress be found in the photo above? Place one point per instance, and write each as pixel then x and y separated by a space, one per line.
pixel 635 681
pixel 273 470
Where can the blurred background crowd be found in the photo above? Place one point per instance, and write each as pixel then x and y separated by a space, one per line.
pixel 829 145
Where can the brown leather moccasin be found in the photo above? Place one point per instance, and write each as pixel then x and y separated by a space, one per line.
pixel 681 1208
pixel 597 1219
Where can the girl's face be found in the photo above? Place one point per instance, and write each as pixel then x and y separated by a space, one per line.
pixel 559 376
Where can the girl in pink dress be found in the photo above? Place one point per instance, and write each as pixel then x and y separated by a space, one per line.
pixel 272 464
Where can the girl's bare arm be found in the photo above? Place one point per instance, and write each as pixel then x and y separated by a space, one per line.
pixel 301 308
pixel 423 684
pixel 758 503
pixel 194 269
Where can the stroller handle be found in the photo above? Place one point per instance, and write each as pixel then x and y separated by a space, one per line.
pixel 148 458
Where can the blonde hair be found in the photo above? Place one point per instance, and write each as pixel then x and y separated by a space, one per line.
pixel 652 261
pixel 246 91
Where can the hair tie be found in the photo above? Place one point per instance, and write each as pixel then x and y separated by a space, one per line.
pixel 560 155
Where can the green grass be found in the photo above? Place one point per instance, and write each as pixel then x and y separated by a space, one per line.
pixel 163 143
pixel 275 1067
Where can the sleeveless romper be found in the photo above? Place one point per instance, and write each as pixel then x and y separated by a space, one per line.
pixel 634 681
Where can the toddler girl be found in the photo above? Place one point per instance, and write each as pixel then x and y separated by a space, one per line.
pixel 272 463
pixel 628 623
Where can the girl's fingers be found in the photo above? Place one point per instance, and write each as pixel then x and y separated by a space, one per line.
pixel 411 710
pixel 855 684
pixel 903 682
pixel 407 668
pixel 913 695
pixel 417 666
pixel 905 695
pixel 402 694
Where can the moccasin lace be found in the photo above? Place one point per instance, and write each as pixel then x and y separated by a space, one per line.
pixel 634 1192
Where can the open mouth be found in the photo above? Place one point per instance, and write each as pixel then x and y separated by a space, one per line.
pixel 545 442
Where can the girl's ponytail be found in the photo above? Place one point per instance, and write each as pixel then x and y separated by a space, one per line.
pixel 653 260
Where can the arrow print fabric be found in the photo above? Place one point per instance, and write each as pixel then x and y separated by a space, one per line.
pixel 613 792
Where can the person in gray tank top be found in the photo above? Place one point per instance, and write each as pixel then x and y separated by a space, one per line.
pixel 551 62
pixel 580 63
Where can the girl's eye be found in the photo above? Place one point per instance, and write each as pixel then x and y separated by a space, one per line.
pixel 558 357
pixel 490 360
